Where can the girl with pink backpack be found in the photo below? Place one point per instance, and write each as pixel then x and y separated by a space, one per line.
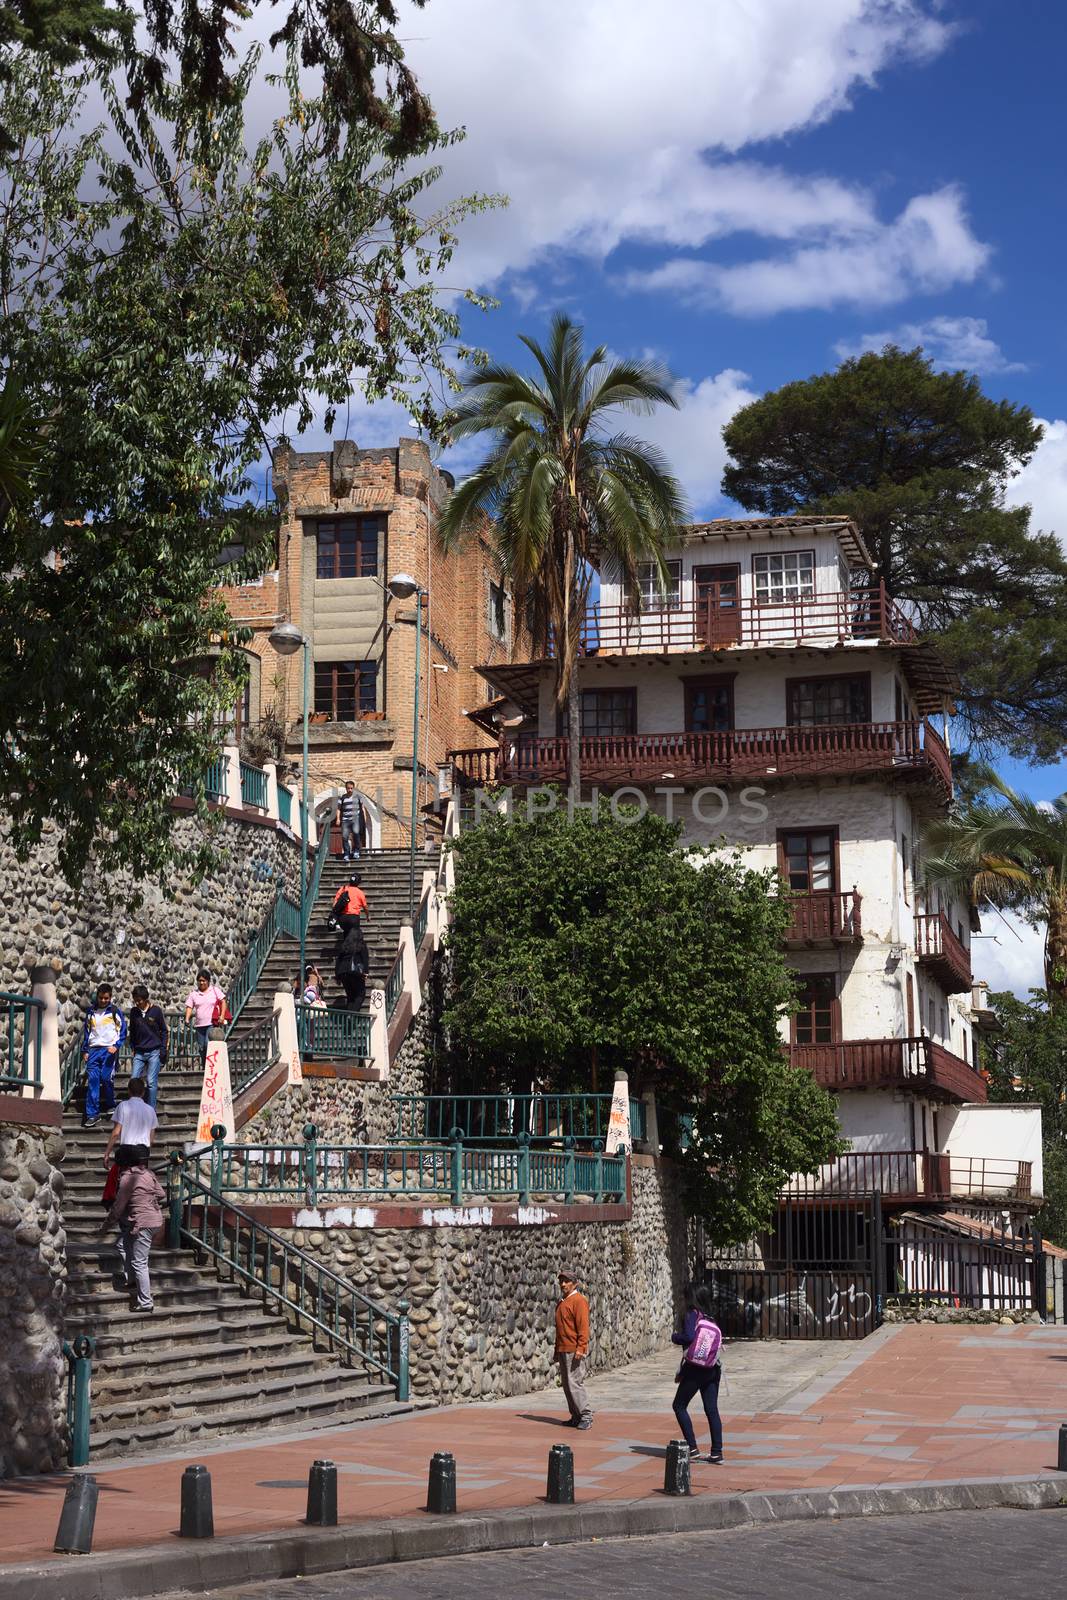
pixel 700 1371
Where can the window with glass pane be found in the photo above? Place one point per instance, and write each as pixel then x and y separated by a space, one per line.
pixel 497 613
pixel 709 706
pixel 343 689
pixel 782 578
pixel 348 547
pixel 604 712
pixel 809 861
pixel 818 701
pixel 653 596
pixel 816 1021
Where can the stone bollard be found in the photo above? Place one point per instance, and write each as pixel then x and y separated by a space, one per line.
pixel 560 1490
pixel 197 1520
pixel 322 1495
pixel 676 1472
pixel 1061 1462
pixel 441 1496
pixel 74 1536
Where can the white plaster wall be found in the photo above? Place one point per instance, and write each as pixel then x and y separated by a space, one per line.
pixel 1000 1132
pixel 878 1120
pixel 716 550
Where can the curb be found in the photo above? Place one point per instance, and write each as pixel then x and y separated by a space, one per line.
pixel 162 1568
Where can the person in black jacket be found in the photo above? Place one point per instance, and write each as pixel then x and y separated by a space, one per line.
pixel 148 1041
pixel 351 966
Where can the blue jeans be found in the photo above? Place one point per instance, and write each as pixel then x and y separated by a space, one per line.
pixel 203 1037
pixel 100 1072
pixel 705 1382
pixel 351 838
pixel 146 1065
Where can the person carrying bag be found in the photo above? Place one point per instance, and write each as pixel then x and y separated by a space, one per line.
pixel 700 1371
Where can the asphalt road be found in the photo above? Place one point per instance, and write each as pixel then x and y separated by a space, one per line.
pixel 989 1555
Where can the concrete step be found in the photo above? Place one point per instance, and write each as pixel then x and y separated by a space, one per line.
pixel 107 1299
pixel 120 1382
pixel 334 1404
pixel 315 1388
pixel 186 1325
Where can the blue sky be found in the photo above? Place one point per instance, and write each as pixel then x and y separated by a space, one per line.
pixel 750 188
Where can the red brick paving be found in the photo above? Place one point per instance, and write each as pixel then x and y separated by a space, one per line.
pixel 906 1413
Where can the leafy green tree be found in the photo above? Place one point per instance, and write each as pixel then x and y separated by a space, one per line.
pixel 581 946
pixel 920 460
pixel 563 492
pixel 1002 849
pixel 1027 1060
pixel 351 43
pixel 172 300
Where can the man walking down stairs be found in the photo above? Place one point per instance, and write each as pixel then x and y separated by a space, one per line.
pixel 210 1360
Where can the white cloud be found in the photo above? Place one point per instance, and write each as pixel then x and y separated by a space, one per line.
pixel 1042 484
pixel 1012 958
pixel 950 343
pixel 691 437
pixel 608 123
pixel 929 246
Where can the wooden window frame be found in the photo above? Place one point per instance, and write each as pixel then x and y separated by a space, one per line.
pixel 332 668
pixel 361 543
pixel 835 848
pixel 629 689
pixel 804 978
pixel 657 602
pixel 792 685
pixel 770 555
pixel 707 680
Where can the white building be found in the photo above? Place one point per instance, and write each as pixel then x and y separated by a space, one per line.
pixel 777 697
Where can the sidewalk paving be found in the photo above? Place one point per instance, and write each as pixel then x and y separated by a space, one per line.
pixel 915 1404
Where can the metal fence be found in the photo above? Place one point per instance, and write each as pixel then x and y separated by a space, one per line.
pixel 333 1033
pixel 496 1118
pixel 20 1066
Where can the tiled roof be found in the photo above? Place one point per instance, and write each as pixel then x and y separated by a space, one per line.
pixel 750 527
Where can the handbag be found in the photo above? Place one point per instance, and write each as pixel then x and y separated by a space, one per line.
pixel 220 1012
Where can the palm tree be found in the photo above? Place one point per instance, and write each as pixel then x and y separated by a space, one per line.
pixel 1012 854
pixel 562 493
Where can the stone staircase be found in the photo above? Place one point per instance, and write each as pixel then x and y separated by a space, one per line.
pixel 210 1361
pixel 384 878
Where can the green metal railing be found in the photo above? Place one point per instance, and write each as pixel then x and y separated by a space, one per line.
pixel 253 1054
pixel 359 1330
pixel 253 786
pixel 25 1015
pixel 497 1118
pixel 215 779
pixel 312 1173
pixel 333 1033
pixel 394 985
pixel 422 919
pixel 285 805
pixel 321 852
pixel 182 1045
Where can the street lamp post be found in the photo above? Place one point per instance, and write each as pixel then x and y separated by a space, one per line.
pixel 287 639
pixel 402 587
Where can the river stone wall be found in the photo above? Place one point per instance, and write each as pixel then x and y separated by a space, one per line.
pixel 483 1298
pixel 91 937
pixel 33 1274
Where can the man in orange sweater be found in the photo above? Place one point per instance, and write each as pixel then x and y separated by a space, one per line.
pixel 572 1347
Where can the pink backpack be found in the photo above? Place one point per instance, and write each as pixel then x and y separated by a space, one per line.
pixel 703 1350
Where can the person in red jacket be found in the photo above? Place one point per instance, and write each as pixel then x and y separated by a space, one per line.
pixel 572 1348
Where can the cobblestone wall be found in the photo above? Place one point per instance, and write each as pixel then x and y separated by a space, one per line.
pixel 161 943
pixel 33 1274
pixel 483 1298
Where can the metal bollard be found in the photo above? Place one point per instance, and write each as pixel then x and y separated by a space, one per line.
pixel 560 1490
pixel 676 1472
pixel 74 1536
pixel 1061 1462
pixel 322 1495
pixel 197 1520
pixel 441 1495
pixel 79 1353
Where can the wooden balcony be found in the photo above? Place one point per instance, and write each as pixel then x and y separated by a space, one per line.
pixel 917 1064
pixel 939 949
pixel 891 749
pixel 866 615
pixel 910 1175
pixel 825 919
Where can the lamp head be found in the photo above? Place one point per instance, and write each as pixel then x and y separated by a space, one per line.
pixel 286 638
pixel 402 586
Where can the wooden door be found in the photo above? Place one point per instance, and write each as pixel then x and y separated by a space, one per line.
pixel 718 605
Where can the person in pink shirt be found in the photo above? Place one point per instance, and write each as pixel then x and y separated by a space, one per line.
pixel 200 1006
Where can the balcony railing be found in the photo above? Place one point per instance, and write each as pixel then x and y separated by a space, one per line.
pixel 917 1064
pixel 915 1175
pixel 939 948
pixel 825 917
pixel 863 614
pixel 741 753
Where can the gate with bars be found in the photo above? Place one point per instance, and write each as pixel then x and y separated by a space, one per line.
pixel 927 1263
pixel 816 1274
